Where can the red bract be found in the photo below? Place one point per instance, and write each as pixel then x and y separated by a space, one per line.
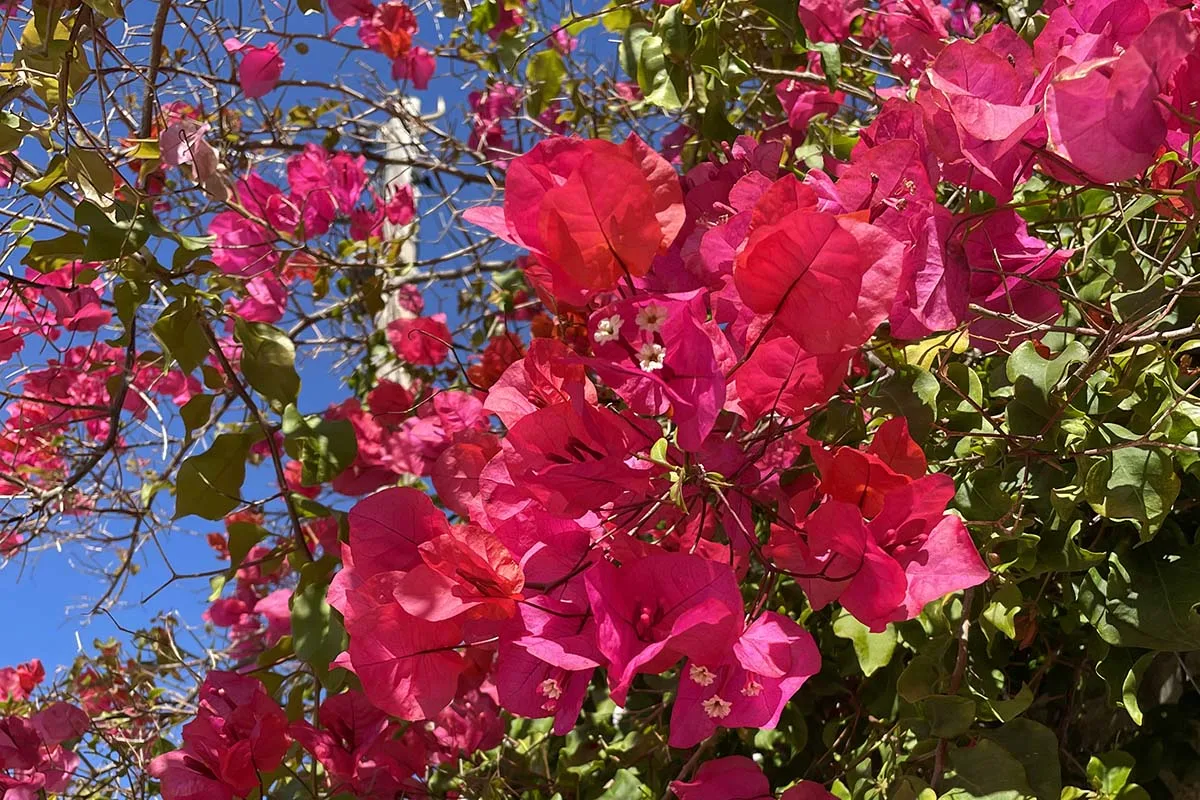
pixel 408 667
pixel 886 569
pixel 739 778
pixel 1104 116
pixel 32 759
pixel 546 660
pixel 654 352
pixel 239 733
pixel 981 102
pixel 808 272
pixel 1012 274
pixel 805 99
pixel 748 686
pixel 730 778
pixel 545 376
pixel 595 213
pixel 363 752
pixel 387 528
pixel 572 458
pixel 260 67
pixel 829 20
pixel 389 29
pixel 17 682
pixel 780 377
pixel 654 611
pixel 864 478
pixel 424 341
pixel 466 571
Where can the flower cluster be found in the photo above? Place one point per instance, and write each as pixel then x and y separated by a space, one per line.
pixel 33 761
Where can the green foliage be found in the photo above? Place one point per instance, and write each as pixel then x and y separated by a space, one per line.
pixel 209 484
pixel 324 447
pixel 268 361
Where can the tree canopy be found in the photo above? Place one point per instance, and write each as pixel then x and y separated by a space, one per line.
pixel 711 399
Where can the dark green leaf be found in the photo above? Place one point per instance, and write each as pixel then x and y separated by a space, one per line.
pixel 209 485
pixel 268 361
pixel 181 332
pixel 324 447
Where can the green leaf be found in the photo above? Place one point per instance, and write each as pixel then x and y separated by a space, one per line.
pixel 180 330
pixel 310 6
pixel 630 52
pixel 1034 379
pixel 1138 303
pixel 1036 748
pixel 986 770
pixel 1129 689
pixel 949 715
pixel 268 361
pixel 874 650
pixel 209 485
pixel 13 130
pixel 89 170
pixel 626 786
pixel 831 61
pixel 654 77
pixel 918 679
pixel 911 392
pixel 1132 484
pixel 1110 773
pixel 128 296
pixel 108 8
pixel 47 255
pixel 658 453
pixel 122 231
pixel 545 73
pixel 324 447
pixel 1002 609
pixel 317 633
pixel 1147 598
pixel 1138 207
pixel 242 538
pixel 196 411
pixel 56 173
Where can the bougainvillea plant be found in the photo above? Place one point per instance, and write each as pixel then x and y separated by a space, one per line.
pixel 709 399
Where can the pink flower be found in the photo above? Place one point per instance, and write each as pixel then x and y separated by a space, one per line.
pixel 563 197
pixel 265 300
pixel 747 687
pixel 390 29
pixel 362 751
pixel 1104 117
pixel 688 383
pixel 887 569
pixel 417 65
pixel 239 732
pixel 424 341
pixel 829 20
pixel 350 12
pixel 260 67
pixel 646 622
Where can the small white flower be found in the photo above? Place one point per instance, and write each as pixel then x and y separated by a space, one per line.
pixel 550 688
pixel 701 675
pixel 650 356
pixel 608 329
pixel 752 688
pixel 651 318
pixel 716 708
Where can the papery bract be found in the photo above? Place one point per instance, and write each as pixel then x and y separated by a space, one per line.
pixel 659 608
